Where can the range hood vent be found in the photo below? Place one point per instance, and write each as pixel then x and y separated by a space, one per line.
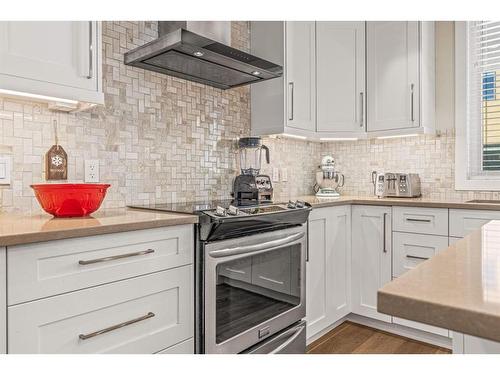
pixel 182 53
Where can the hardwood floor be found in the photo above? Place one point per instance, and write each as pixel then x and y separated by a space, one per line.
pixel 353 338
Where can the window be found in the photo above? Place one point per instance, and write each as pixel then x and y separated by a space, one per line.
pixel 477 105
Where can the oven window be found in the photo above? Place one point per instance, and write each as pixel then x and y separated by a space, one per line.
pixel 256 288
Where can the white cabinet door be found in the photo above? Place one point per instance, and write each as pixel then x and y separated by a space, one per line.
pixel 50 58
pixel 328 267
pixel 392 75
pixel 371 258
pixel 340 68
pixel 300 75
pixel 3 301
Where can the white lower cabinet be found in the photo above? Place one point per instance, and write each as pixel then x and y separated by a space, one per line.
pixel 462 222
pixel 3 301
pixel 139 315
pixel 371 258
pixel 411 249
pixel 185 347
pixel 328 267
pixel 467 344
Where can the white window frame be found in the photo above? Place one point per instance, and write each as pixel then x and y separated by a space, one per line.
pixel 462 180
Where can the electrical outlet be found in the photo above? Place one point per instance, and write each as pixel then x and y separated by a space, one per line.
pixel 91 170
pixel 284 175
pixel 5 169
pixel 276 175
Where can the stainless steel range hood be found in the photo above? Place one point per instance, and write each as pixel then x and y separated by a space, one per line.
pixel 182 53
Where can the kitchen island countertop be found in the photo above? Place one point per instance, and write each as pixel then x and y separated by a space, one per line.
pixel 457 289
pixel 21 229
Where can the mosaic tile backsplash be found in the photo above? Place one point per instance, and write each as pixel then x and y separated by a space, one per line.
pixel 164 139
pixel 431 156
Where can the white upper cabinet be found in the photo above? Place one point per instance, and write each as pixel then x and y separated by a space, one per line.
pixel 286 104
pixel 340 69
pixel 59 59
pixel 345 79
pixel 300 75
pixel 400 76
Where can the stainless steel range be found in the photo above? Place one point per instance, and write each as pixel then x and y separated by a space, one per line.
pixel 250 276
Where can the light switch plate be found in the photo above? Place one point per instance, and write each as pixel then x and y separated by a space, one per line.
pixel 276 175
pixel 91 170
pixel 5 169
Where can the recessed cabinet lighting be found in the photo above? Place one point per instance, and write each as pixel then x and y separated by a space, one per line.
pixel 198 53
pixel 256 73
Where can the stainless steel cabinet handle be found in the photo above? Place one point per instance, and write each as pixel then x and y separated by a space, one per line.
pixel 116 326
pixel 290 93
pixel 253 248
pixel 416 257
pixel 412 86
pixel 114 257
pixel 91 53
pixel 362 115
pixel 418 220
pixel 384 248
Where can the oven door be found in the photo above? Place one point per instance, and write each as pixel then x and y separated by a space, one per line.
pixel 254 287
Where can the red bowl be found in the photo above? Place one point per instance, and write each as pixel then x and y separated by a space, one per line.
pixel 70 200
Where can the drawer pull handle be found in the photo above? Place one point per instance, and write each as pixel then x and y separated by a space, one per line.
pixel 416 257
pixel 418 220
pixel 115 257
pixel 112 328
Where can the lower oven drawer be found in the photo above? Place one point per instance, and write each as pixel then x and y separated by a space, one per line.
pixel 140 315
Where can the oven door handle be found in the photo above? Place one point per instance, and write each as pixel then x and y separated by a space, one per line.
pixel 253 248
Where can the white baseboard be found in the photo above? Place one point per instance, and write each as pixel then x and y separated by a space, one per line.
pixel 396 329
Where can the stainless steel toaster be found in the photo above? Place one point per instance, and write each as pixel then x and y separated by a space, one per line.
pixel 405 185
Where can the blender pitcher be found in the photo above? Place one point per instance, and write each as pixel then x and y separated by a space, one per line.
pixel 250 149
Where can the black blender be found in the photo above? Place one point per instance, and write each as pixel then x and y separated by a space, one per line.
pixel 250 187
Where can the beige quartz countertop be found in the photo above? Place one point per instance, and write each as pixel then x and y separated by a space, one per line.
pixel 458 288
pixel 416 202
pixel 21 229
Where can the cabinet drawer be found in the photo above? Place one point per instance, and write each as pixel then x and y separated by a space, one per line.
pixel 158 309
pixel 462 222
pixel 49 268
pixel 185 347
pixel 420 220
pixel 411 249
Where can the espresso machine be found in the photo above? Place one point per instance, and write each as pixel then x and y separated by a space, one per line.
pixel 251 187
pixel 328 180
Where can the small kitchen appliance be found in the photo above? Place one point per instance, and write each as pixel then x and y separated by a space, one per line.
pixel 327 179
pixel 250 187
pixel 250 268
pixel 402 185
